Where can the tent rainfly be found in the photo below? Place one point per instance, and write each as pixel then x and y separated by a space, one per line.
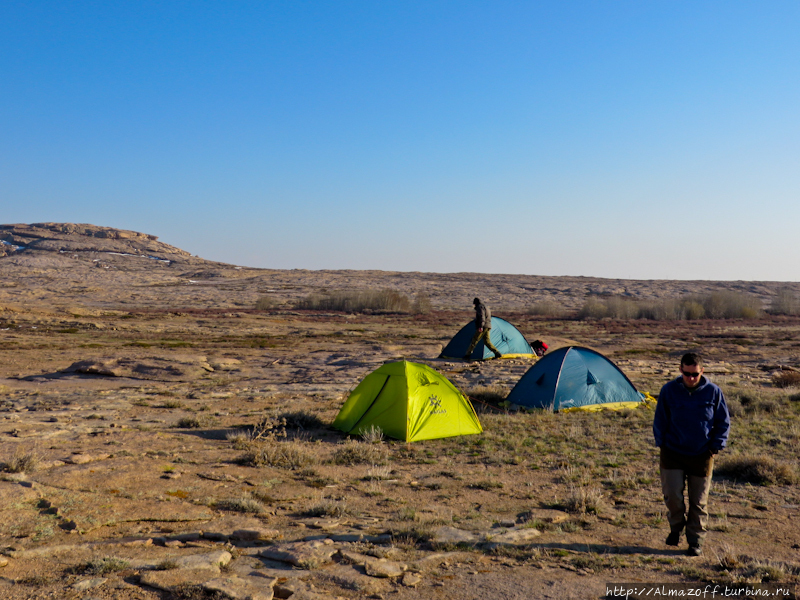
pixel 505 337
pixel 408 401
pixel 574 378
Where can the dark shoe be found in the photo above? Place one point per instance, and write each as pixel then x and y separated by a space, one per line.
pixel 467 357
pixel 674 538
pixel 498 355
pixel 694 550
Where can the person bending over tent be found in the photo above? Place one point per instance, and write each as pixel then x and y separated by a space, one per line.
pixel 483 327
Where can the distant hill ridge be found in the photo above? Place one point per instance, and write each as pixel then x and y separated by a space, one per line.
pixel 82 237
pixel 87 264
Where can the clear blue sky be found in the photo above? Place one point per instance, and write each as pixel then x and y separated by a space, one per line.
pixel 623 139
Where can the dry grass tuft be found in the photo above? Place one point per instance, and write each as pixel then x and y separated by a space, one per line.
pixel 22 462
pixel 245 503
pixel 354 452
pixel 281 455
pixel 102 566
pixel 583 500
pixel 190 423
pixel 373 435
pixel 757 470
pixel 327 507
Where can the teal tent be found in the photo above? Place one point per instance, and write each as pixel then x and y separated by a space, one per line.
pixel 574 378
pixel 505 337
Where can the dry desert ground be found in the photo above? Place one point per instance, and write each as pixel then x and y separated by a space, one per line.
pixel 161 437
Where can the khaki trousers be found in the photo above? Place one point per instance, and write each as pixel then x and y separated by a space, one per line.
pixel 485 334
pixel 694 474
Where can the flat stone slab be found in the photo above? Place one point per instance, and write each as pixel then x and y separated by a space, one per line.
pixel 242 588
pixel 452 535
pixel 513 537
pixel 81 458
pixel 174 368
pixel 13 495
pixel 210 560
pixel 381 567
pixel 88 584
pixel 306 555
pixel 547 515
pixel 375 567
pixel 348 577
pixel 174 578
pixel 90 511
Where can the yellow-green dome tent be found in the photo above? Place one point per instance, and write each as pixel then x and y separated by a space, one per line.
pixel 410 402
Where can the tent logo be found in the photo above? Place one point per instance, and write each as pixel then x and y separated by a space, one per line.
pixel 436 406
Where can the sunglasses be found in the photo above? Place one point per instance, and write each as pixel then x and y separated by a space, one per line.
pixel 690 375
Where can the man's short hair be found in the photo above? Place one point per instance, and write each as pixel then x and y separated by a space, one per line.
pixel 692 358
pixel 476 300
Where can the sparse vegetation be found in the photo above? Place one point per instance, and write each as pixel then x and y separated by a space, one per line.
pixel 359 301
pixel 547 308
pixel 716 305
pixel 102 566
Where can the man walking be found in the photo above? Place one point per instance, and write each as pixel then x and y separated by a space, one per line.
pixel 691 425
pixel 483 329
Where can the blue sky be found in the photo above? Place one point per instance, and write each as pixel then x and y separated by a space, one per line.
pixel 642 140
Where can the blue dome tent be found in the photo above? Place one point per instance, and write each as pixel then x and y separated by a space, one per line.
pixel 505 337
pixel 577 378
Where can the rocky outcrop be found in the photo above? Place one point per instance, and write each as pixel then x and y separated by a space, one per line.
pixel 80 237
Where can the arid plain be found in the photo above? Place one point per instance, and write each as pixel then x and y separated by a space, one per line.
pixel 161 437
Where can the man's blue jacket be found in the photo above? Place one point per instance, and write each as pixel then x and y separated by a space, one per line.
pixel 691 422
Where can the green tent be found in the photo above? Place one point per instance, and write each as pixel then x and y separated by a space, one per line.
pixel 410 402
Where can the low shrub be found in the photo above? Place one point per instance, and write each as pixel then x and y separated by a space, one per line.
pixel 422 305
pixel 786 378
pixel 583 500
pixel 785 302
pixel 547 308
pixel 265 303
pixel 189 423
pixel 757 470
pixel 716 305
pixel 358 301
